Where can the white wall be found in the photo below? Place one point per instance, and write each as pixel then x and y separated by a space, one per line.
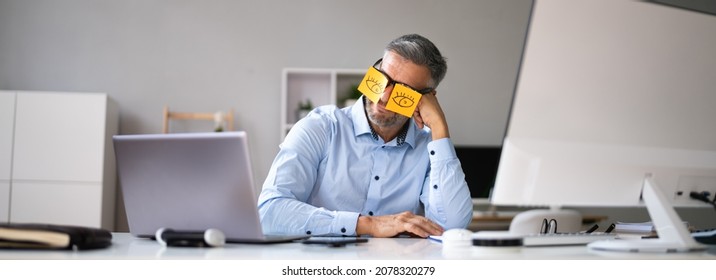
pixel 220 54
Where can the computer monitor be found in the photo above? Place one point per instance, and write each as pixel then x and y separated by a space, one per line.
pixel 614 106
pixel 480 166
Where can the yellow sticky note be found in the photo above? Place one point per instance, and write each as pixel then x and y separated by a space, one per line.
pixel 403 100
pixel 373 84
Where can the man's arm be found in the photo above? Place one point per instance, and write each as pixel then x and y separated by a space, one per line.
pixel 430 114
pixel 445 194
pixel 289 216
pixel 293 174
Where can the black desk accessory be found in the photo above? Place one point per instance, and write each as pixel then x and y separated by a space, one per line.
pixel 177 238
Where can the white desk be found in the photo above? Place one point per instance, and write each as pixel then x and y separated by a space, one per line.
pixel 125 246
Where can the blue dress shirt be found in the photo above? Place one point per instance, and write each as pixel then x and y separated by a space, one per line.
pixel 330 170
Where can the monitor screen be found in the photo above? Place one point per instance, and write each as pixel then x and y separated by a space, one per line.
pixel 611 96
pixel 480 166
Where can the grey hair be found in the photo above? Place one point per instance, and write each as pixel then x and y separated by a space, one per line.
pixel 420 51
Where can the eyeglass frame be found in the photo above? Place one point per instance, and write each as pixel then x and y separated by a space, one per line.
pixel 392 82
pixel 548 226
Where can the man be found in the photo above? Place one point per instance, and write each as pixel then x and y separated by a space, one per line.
pixel 365 170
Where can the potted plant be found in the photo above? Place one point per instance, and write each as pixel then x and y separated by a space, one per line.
pixel 304 107
pixel 352 96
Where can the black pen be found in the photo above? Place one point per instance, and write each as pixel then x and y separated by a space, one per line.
pixel 652 235
pixel 593 228
pixel 610 228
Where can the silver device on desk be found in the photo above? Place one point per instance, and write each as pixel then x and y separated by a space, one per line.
pixel 190 181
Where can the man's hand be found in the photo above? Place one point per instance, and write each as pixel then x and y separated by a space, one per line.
pixel 393 225
pixel 429 113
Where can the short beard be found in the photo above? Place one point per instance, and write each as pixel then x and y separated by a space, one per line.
pixel 396 120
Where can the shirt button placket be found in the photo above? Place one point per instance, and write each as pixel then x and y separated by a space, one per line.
pixel 380 161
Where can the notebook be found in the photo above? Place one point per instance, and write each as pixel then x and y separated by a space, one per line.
pixel 190 181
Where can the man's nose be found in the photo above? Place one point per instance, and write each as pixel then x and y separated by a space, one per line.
pixel 386 94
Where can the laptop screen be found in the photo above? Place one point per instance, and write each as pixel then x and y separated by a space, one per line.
pixel 188 181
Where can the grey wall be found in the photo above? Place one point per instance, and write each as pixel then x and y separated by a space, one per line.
pixel 205 56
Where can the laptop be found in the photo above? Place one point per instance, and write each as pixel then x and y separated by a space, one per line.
pixel 190 181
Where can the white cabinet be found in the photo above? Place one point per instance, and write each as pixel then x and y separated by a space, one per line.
pixel 320 86
pixel 62 161
pixel 7 115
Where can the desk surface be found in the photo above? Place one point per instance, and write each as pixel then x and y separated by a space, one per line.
pixel 125 246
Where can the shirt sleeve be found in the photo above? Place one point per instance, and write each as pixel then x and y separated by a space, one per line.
pixel 291 179
pixel 445 193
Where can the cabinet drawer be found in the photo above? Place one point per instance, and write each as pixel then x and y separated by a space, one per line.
pixel 59 137
pixel 56 202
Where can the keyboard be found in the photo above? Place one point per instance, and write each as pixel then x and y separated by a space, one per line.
pixel 564 239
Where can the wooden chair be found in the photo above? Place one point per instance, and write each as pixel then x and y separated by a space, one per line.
pixel 226 119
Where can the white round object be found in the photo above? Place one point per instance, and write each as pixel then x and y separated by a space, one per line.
pixel 214 237
pixel 158 236
pixel 457 237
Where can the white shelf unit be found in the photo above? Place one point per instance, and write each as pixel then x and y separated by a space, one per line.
pixel 56 158
pixel 319 85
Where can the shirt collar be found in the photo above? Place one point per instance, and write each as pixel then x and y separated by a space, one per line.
pixel 361 126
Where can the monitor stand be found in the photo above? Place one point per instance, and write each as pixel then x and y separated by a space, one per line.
pixel 673 234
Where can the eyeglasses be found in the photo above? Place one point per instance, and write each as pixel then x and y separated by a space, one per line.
pixel 392 82
pixel 403 98
pixel 548 226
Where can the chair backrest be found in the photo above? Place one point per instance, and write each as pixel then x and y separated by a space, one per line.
pixel 223 121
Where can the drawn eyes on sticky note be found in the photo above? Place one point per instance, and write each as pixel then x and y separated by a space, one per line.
pixel 403 100
pixel 375 85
